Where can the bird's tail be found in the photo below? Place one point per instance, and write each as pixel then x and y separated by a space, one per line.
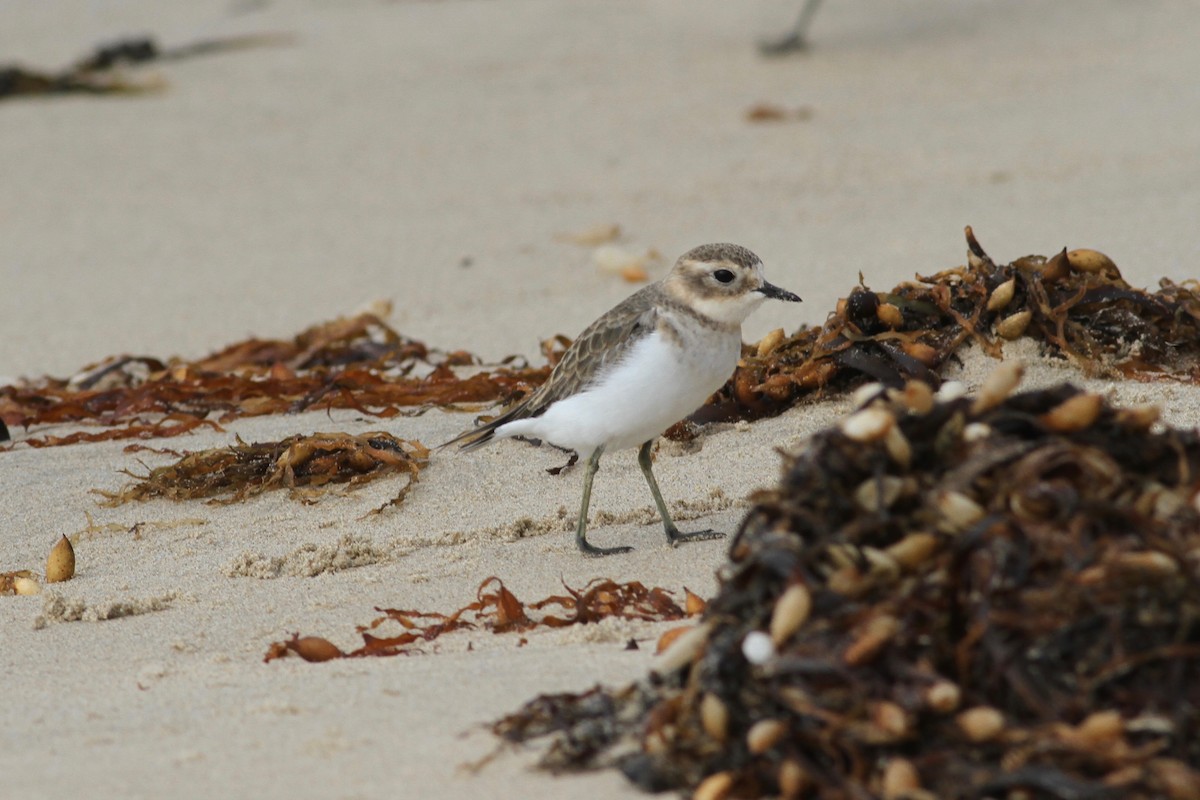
pixel 485 433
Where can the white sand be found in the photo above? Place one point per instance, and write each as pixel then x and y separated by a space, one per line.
pixel 269 189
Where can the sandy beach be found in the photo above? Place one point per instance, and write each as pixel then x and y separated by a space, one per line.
pixel 439 155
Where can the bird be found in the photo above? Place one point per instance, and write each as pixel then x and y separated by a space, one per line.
pixel 639 368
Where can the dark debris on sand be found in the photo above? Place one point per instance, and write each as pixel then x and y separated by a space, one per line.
pixel 995 596
pixel 104 70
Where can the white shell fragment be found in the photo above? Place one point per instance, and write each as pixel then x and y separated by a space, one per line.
pixel 758 648
pixel 868 425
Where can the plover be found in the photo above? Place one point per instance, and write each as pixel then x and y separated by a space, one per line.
pixel 646 364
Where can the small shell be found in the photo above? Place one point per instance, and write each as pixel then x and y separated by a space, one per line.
pixel 913 550
pixel 1074 414
pixel 890 315
pixel 758 648
pixel 60 565
pixel 1139 418
pixel 868 425
pixel 874 495
pixel 767 344
pixel 1177 779
pixel 871 640
pixel 634 273
pixel 1014 325
pixel 793 779
pixel 693 604
pixel 898 447
pixel 1002 295
pixel 715 787
pixel 950 391
pixel 926 354
pixel 678 649
pixel 958 511
pixel 918 397
pixel 1084 260
pixel 763 735
pixel 900 779
pixel 976 432
pixel 790 612
pixel 943 696
pixel 1100 727
pixel 881 565
pixel 23 585
pixel 866 394
pixel 314 648
pixel 891 719
pixel 1056 267
pixel 981 723
pixel 998 385
pixel 1148 562
pixel 617 260
pixel 714 716
pixel 1166 504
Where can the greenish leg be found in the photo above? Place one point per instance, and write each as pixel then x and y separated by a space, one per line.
pixel 581 532
pixel 673 534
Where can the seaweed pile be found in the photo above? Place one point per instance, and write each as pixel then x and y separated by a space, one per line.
pixel 306 465
pixel 1075 302
pixel 945 597
pixel 359 363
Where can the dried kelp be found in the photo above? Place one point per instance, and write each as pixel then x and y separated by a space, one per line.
pixel 1076 303
pixel 98 73
pixel 305 465
pixel 359 363
pixel 497 609
pixel 992 596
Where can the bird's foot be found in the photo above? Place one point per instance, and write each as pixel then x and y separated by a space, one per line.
pixel 592 551
pixel 792 43
pixel 676 538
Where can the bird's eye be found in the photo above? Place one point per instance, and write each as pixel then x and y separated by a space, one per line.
pixel 723 275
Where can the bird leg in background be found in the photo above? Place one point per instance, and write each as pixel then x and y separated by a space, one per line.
pixel 797 38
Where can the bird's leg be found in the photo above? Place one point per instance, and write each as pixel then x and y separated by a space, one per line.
pixel 581 532
pixel 673 534
pixel 797 38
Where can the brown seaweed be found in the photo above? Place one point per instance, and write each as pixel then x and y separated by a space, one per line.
pixel 497 609
pixel 1076 303
pixel 995 596
pixel 303 464
pixel 355 363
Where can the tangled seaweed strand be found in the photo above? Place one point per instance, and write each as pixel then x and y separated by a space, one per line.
pixel 303 464
pixel 988 597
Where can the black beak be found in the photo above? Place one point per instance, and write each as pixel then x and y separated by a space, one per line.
pixel 773 291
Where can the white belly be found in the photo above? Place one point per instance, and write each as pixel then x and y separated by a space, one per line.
pixel 653 387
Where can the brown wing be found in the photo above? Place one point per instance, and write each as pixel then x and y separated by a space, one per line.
pixel 600 345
